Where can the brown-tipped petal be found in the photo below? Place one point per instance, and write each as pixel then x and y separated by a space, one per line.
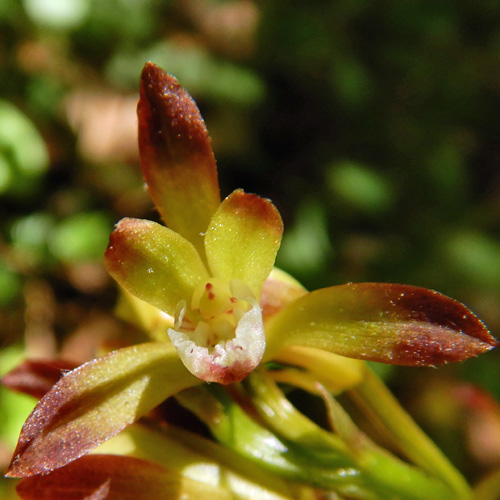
pixel 97 477
pixel 36 377
pixel 94 402
pixel 396 324
pixel 243 238
pixel 154 263
pixel 176 155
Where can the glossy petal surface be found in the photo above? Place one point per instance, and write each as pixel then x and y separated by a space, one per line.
pixel 176 155
pixel 94 402
pixel 243 238
pixel 154 263
pixel 394 324
pixel 115 477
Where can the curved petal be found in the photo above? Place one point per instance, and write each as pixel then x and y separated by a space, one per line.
pixel 36 376
pixel 243 238
pixel 94 402
pixel 176 156
pixel 396 324
pixel 112 476
pixel 151 320
pixel 278 291
pixel 154 263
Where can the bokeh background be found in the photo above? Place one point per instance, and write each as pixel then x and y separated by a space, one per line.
pixel 372 125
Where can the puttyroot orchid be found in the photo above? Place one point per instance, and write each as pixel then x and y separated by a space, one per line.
pixel 204 288
pixel 208 269
pixel 218 329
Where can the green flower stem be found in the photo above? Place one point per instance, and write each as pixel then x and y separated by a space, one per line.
pixel 383 406
pixel 384 474
pixel 283 419
pixel 233 427
pixel 396 480
pixel 283 440
pixel 198 458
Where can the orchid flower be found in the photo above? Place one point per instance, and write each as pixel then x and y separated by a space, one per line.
pixel 205 287
pixel 208 267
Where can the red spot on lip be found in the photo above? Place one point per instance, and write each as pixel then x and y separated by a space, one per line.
pixel 211 295
pixel 233 300
pixel 209 286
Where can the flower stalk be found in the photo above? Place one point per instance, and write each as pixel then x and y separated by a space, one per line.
pixel 280 438
pixel 378 402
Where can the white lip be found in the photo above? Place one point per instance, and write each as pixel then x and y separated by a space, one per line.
pixel 244 351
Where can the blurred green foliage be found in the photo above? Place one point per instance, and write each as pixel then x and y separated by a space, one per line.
pixel 373 126
pixel 24 155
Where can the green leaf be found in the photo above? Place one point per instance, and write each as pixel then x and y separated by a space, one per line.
pixel 23 154
pixel 235 429
pixel 361 187
pixel 383 475
pixel 80 237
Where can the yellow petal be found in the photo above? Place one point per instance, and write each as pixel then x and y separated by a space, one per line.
pixel 151 320
pixel 395 324
pixel 176 156
pixel 154 263
pixel 96 401
pixel 243 238
pixel 335 372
